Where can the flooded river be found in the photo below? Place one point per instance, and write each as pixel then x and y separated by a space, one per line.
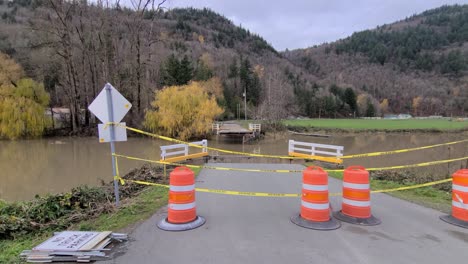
pixel 30 167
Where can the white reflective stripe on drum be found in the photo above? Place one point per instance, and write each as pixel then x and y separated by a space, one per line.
pixel 315 206
pixel 311 187
pixel 356 203
pixel 460 188
pixel 182 206
pixel 185 188
pixel 459 205
pixel 356 186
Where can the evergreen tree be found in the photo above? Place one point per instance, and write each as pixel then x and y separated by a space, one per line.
pixel 254 91
pixel 203 72
pixel 250 82
pixel 169 71
pixel 176 72
pixel 350 99
pixel 330 105
pixel 245 73
pixel 233 70
pixel 454 63
pixel 370 112
pixel 185 71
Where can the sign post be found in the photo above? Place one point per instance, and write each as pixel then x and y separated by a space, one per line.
pixel 110 106
pixel 112 138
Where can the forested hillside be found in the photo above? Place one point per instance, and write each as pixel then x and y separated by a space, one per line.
pixel 417 65
pixel 74 48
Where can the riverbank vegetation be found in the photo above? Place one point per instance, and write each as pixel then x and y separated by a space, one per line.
pixel 22 102
pixel 26 224
pixel 429 125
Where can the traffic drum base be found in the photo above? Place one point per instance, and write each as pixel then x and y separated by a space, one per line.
pixel 371 221
pixel 332 224
pixel 454 221
pixel 165 225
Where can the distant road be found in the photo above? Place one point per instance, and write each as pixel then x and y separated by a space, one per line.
pixel 258 230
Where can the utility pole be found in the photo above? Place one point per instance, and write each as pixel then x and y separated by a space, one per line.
pixel 245 104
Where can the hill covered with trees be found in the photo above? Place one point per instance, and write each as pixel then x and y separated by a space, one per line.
pixel 73 48
pixel 417 65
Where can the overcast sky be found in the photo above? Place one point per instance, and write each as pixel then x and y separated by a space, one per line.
pixel 302 23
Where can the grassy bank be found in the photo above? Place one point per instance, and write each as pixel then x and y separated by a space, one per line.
pixel 138 203
pixel 132 210
pixel 431 196
pixel 378 124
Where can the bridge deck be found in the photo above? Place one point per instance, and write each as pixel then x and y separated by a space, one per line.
pixel 233 129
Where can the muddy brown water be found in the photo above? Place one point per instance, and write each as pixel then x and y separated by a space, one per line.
pixel 30 167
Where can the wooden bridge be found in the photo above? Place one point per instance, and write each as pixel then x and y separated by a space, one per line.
pixel 235 130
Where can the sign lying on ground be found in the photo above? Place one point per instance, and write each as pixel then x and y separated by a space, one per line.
pixel 71 240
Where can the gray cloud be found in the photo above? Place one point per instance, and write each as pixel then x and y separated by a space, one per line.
pixel 302 23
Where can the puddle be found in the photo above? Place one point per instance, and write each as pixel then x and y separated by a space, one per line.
pixel 458 235
pixel 374 235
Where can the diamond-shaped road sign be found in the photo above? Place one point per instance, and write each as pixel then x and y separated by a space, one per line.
pixel 120 105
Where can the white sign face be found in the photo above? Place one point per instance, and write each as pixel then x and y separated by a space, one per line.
pixel 67 241
pixel 120 133
pixel 120 105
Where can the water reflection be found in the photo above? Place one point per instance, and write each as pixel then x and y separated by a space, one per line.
pixel 30 167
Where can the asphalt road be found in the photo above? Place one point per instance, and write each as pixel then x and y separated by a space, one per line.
pixel 258 229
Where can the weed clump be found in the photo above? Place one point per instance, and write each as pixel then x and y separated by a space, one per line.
pixel 408 177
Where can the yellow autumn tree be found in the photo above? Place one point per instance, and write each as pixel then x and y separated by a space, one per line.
pixel 201 39
pixel 22 103
pixel 183 112
pixel 384 106
pixel 362 104
pixel 416 103
pixel 10 71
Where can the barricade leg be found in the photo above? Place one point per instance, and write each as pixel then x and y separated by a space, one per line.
pixel 459 216
pixel 315 205
pixel 356 206
pixel 181 213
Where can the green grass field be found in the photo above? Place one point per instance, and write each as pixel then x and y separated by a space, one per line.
pixel 380 124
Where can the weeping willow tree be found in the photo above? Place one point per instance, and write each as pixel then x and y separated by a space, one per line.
pixel 22 103
pixel 185 111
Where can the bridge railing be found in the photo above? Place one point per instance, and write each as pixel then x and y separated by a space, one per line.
pixel 316 151
pixel 215 128
pixel 255 127
pixel 179 152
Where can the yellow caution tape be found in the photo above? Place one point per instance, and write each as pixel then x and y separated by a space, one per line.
pixel 209 148
pixel 285 195
pixel 204 167
pixel 412 186
pixel 290 171
pixel 417 165
pixel 372 154
pixel 117 173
